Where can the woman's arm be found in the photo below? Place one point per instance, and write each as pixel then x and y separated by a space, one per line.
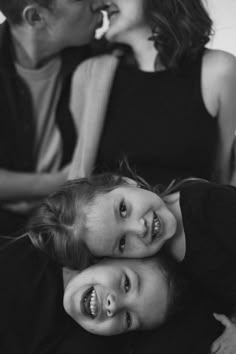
pixel 91 87
pixel 21 186
pixel 219 93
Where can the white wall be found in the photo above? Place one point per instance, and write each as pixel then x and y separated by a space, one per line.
pixel 1 17
pixel 223 13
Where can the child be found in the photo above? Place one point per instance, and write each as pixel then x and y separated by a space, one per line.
pixel 108 215
pixel 118 296
pixel 111 215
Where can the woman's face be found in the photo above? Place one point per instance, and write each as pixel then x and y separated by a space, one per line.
pixel 128 222
pixel 117 296
pixel 126 18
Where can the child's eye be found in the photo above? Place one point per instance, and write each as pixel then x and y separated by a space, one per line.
pixel 127 284
pixel 122 244
pixel 128 320
pixel 123 209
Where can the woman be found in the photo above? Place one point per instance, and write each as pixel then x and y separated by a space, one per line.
pixel 172 105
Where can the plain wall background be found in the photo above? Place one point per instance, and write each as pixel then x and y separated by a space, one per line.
pixel 223 13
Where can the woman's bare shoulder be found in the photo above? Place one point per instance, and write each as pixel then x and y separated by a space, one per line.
pixel 218 77
pixel 219 62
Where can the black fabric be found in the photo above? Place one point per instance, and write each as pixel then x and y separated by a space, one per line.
pixel 159 121
pixel 209 217
pixel 17 130
pixel 32 319
pixel 191 333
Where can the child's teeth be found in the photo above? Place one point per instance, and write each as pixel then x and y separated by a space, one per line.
pixel 93 303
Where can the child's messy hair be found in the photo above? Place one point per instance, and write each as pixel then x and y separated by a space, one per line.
pixel 160 189
pixel 58 223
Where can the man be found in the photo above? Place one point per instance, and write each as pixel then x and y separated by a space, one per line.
pixel 38 53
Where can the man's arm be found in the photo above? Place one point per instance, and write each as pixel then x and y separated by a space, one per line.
pixel 18 186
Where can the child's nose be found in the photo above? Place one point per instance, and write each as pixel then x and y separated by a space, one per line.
pixel 112 305
pixel 141 228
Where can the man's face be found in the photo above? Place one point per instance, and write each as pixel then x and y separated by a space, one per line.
pixel 116 296
pixel 72 22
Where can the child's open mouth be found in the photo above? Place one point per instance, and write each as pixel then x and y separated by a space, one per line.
pixel 156 226
pixel 89 303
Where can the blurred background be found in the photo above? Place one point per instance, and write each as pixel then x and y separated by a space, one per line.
pixel 223 13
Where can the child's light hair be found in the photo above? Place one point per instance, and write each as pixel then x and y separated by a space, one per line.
pixel 58 225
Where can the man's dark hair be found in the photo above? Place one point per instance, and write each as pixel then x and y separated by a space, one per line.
pixel 13 9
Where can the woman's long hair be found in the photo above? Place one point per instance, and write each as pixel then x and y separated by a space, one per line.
pixel 181 28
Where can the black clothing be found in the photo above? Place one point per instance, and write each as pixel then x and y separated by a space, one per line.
pixel 160 122
pixel 32 319
pixel 209 218
pixel 17 130
pixel 191 333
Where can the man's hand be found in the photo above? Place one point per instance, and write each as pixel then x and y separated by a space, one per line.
pixel 226 343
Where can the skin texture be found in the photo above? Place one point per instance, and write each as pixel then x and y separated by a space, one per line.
pixel 121 223
pixel 126 17
pixel 131 295
pixel 226 343
pixel 72 23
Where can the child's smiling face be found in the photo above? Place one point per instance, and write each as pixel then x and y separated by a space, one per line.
pixel 128 222
pixel 117 296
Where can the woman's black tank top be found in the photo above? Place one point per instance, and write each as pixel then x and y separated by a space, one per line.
pixel 160 123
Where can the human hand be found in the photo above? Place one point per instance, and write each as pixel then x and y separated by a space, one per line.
pixel 226 342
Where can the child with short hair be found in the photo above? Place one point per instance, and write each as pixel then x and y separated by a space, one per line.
pixel 117 296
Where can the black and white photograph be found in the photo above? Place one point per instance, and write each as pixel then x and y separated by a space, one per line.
pixel 118 176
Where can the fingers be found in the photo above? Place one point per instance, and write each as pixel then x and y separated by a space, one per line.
pixel 215 346
pixel 224 320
